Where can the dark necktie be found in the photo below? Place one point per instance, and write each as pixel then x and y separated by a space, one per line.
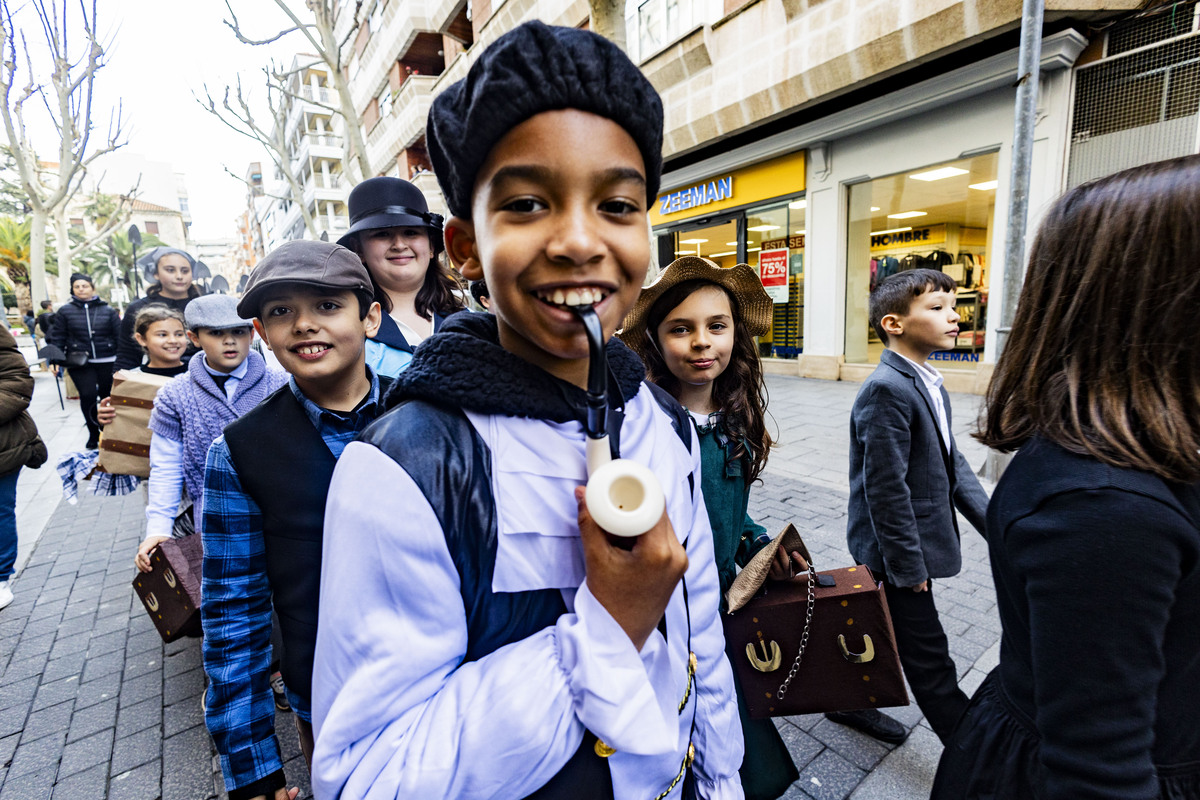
pixel 220 381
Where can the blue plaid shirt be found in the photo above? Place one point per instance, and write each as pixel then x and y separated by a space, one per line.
pixel 236 607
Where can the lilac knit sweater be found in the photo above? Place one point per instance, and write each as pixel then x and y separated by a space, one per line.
pixel 191 409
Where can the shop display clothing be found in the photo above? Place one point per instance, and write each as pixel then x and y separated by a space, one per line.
pixel 473 659
pixel 1097 573
pixel 767 769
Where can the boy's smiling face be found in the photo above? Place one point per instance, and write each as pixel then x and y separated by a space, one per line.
pixel 559 208
pixel 316 334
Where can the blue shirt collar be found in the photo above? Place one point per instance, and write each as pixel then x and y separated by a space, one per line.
pixel 238 373
pixel 367 409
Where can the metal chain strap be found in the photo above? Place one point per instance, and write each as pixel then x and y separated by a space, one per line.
pixel 812 601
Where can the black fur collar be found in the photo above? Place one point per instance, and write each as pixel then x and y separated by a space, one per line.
pixel 463 365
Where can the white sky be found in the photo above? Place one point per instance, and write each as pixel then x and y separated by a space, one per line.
pixel 160 52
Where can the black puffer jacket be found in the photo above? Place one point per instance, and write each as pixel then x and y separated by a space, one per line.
pixel 90 326
pixel 20 445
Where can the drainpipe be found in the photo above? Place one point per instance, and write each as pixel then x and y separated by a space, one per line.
pixel 1029 60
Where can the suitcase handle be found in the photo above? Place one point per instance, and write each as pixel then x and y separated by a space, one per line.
pixel 865 657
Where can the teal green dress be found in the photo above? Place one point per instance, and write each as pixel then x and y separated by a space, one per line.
pixel 767 770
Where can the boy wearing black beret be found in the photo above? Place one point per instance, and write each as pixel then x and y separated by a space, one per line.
pixel 496 642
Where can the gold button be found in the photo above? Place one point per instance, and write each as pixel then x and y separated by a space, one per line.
pixel 692 662
pixel 691 755
pixel 603 750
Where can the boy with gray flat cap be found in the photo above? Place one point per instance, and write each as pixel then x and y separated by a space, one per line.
pixel 265 486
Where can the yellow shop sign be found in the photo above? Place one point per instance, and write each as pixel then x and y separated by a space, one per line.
pixel 778 177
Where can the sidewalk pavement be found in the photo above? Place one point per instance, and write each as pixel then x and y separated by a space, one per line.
pixel 93 704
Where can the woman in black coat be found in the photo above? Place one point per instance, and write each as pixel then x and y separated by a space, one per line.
pixel 86 329
pixel 1094 529
pixel 173 287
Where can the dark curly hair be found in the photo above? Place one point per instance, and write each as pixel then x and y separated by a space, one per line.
pixel 739 392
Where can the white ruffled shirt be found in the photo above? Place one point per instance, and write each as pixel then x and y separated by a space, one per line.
pixel 398 714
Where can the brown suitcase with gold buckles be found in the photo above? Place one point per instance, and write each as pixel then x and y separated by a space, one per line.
pixel 125 443
pixel 171 590
pixel 833 649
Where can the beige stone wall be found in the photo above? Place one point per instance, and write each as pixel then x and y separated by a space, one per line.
pixel 771 57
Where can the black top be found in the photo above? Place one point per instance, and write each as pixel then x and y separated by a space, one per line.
pixel 88 326
pixel 166 372
pixel 1097 574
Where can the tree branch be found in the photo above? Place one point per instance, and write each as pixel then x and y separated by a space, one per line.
pixel 237 31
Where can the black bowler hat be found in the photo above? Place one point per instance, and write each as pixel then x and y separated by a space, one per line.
pixel 390 203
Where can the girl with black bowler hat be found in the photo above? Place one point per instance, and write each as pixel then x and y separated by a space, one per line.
pixel 399 241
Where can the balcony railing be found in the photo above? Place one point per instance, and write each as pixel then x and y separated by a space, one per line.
pixel 320 94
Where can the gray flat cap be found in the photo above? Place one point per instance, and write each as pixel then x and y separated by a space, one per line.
pixel 322 264
pixel 213 311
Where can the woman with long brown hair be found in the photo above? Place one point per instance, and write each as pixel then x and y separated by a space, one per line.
pixel 1094 529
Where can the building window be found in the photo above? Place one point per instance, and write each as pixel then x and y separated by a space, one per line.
pixel 152 227
pixel 936 217
pixel 775 237
pixel 385 102
pixel 77 223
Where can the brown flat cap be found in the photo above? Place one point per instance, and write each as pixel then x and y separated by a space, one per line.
pixel 322 264
pixel 753 303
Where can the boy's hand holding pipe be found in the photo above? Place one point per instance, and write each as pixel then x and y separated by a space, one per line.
pixel 633 583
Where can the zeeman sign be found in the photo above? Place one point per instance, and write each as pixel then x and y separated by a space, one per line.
pixel 694 196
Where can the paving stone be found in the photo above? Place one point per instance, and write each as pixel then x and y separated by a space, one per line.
pixel 99 666
pixel 48 720
pixel 142 783
pixel 37 755
pixel 23 669
pixel 859 749
pixel 19 692
pixel 98 691
pixel 146 714
pixel 85 753
pixel 180 687
pixel 182 715
pixel 64 667
pixel 12 719
pixel 830 777
pixel 803 747
pixel 99 645
pixel 143 641
pixel 91 784
pixel 142 663
pixel 141 688
pixel 189 777
pixel 50 694
pixel 133 751
pixel 87 721
pixel 30 786
pixel 906 773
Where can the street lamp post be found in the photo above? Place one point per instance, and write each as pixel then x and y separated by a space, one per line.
pixel 135 239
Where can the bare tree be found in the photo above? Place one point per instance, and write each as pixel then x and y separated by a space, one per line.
pixel 329 49
pixel 68 102
pixel 238 116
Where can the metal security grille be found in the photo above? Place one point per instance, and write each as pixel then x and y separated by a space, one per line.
pixel 1139 103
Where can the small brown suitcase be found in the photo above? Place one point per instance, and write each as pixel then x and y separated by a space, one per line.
pixel 850 659
pixel 171 590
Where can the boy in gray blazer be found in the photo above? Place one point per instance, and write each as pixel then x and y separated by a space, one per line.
pixel 906 479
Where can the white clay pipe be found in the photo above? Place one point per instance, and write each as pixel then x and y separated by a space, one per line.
pixel 623 496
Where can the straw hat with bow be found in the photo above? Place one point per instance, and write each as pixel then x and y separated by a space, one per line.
pixel 754 307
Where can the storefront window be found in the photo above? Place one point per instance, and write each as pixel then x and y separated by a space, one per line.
pixel 775 245
pixel 938 217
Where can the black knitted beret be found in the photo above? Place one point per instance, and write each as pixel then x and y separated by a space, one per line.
pixel 533 68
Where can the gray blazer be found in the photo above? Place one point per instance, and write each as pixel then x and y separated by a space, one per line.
pixel 903 486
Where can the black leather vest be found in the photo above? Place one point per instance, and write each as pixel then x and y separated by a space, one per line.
pixel 455 478
pixel 285 467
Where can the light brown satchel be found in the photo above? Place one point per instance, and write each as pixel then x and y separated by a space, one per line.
pixel 125 443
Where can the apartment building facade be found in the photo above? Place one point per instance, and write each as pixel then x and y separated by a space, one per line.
pixel 831 142
pixel 314 158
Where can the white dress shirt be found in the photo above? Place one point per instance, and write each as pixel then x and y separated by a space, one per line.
pixel 933 384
